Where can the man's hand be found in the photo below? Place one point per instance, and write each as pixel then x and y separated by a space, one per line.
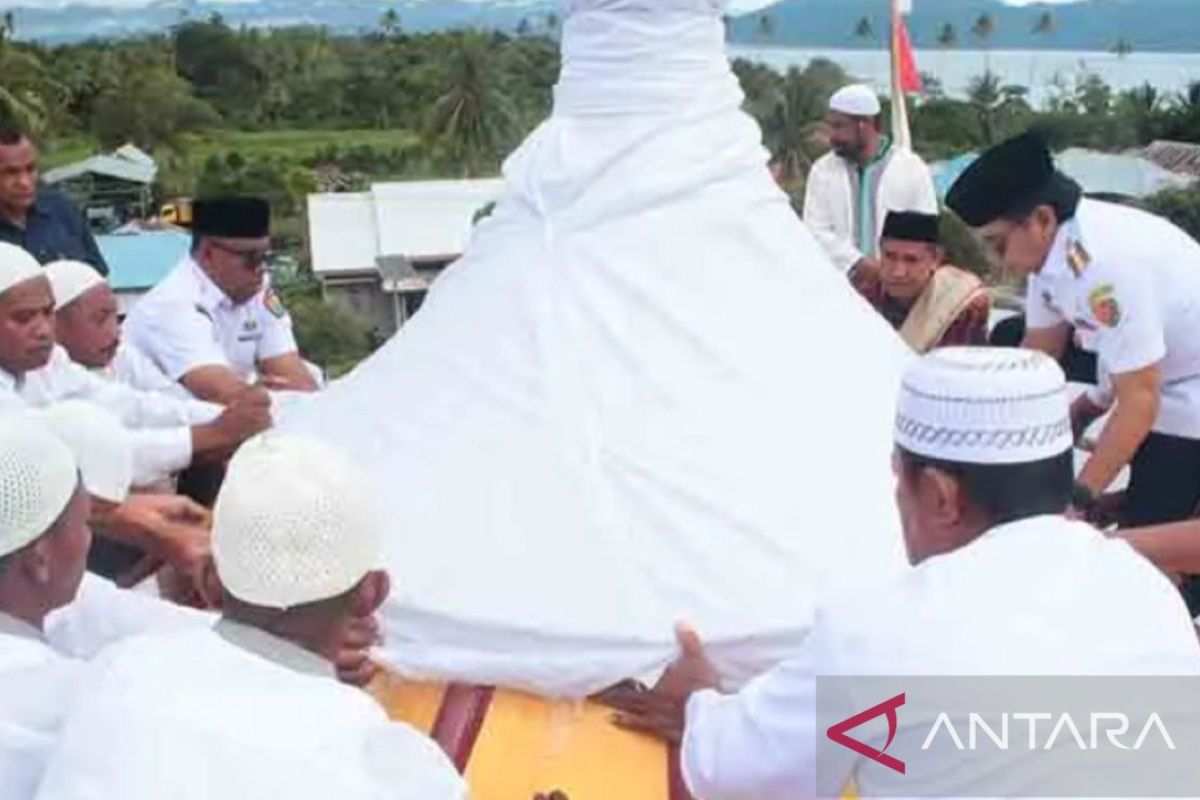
pixel 248 414
pixel 353 660
pixel 661 711
pixel 168 529
pixel 864 273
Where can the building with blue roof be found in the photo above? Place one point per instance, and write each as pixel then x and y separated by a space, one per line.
pixel 138 260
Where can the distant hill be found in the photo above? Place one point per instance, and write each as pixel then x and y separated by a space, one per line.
pixel 1147 25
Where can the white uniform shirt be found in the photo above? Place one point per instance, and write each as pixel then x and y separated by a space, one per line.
pixel 187 322
pixel 233 712
pixel 1042 596
pixel 1129 282
pixel 830 201
pixel 158 423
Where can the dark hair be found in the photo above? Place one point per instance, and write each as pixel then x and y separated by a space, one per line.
pixel 1007 492
pixel 11 134
pixel 1061 193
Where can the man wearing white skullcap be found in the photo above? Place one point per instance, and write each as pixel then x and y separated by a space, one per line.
pixel 51 612
pixel 88 328
pixel 168 432
pixel 296 545
pixel 1003 584
pixel 852 188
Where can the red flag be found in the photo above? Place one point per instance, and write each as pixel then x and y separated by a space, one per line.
pixel 906 60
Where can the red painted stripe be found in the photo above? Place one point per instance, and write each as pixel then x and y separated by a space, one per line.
pixel 676 786
pixel 459 721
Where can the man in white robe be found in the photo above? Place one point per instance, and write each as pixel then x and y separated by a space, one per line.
pixel 852 188
pixel 51 613
pixel 252 708
pixel 1003 584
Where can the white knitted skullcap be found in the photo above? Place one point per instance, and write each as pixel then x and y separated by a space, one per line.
pixel 857 100
pixel 16 266
pixel 293 524
pixel 102 447
pixel 70 279
pixel 975 405
pixel 38 478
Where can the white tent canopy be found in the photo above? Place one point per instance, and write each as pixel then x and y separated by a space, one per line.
pixel 642 396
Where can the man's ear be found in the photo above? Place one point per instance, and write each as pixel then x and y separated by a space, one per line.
pixel 370 593
pixel 36 561
pixel 943 496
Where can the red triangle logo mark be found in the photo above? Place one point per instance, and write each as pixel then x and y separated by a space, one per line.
pixel 837 733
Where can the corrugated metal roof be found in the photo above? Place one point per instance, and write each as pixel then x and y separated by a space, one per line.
pixel 138 261
pixel 126 165
pixel 1179 157
pixel 419 220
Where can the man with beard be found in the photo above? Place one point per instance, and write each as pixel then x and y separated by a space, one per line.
pixel 865 175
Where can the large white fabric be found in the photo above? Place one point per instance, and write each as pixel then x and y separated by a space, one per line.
pixel 1042 596
pixel 200 717
pixel 830 205
pixel 629 403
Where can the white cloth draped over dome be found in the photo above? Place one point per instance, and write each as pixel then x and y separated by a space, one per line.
pixel 642 396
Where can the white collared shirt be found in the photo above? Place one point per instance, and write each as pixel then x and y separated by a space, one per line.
pixel 1042 596
pixel 1129 282
pixel 187 322
pixel 159 424
pixel 132 367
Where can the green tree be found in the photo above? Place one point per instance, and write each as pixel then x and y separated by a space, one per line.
pixel 983 29
pixel 864 30
pixel 1043 29
pixel 985 97
pixel 27 93
pixel 152 108
pixel 766 27
pixel 473 121
pixel 1122 48
pixel 947 37
pixel 389 23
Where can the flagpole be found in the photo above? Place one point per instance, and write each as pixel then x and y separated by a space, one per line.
pixel 901 132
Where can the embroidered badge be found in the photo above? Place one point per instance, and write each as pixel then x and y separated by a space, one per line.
pixel 1104 305
pixel 1078 258
pixel 274 304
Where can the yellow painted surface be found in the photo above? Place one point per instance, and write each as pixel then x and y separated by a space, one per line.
pixel 529 745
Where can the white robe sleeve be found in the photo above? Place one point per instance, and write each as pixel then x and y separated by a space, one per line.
pixel 103 614
pixel 820 215
pixel 760 744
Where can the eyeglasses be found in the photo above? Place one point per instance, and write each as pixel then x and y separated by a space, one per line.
pixel 251 259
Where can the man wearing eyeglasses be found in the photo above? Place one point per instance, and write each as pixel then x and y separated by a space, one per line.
pixel 1127 284
pixel 215 324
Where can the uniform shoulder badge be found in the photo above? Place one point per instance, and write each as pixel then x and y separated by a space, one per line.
pixel 1078 258
pixel 1104 306
pixel 273 304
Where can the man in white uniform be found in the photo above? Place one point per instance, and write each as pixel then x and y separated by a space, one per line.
pixel 1128 283
pixel 852 188
pixel 251 708
pixel 215 324
pixel 983 462
pixel 167 432
pixel 87 326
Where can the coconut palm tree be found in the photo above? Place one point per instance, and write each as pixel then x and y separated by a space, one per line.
pixel 1122 48
pixel 766 27
pixel 947 37
pixel 864 30
pixel 982 30
pixel 1043 28
pixel 473 121
pixel 985 96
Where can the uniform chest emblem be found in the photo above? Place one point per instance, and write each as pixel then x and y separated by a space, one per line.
pixel 1104 306
pixel 1078 258
pixel 273 304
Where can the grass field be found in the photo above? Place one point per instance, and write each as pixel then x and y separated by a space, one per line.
pixel 295 144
